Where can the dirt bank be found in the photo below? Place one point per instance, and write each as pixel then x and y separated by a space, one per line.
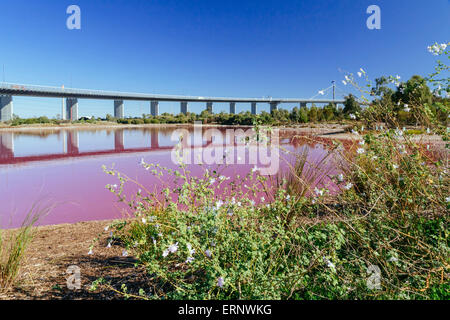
pixel 55 248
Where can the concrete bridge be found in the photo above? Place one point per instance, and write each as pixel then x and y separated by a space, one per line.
pixel 8 90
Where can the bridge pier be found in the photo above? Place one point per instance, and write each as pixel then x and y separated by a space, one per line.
pixel 119 140
pixel 233 107
pixel 254 108
pixel 184 107
pixel 7 145
pixel 118 109
pixel 209 107
pixel 154 108
pixel 273 106
pixel 6 108
pixel 71 109
pixel 73 142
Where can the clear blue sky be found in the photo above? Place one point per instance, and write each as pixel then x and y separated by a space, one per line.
pixel 277 48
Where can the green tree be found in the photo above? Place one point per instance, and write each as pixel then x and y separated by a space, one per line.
pixel 351 106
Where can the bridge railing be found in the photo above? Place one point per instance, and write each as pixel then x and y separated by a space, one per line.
pixel 25 89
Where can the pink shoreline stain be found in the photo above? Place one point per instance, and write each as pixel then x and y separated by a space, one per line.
pixel 72 179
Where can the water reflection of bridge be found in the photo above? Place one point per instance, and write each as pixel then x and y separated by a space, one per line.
pixel 71 147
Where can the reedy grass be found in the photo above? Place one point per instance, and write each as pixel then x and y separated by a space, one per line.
pixel 13 246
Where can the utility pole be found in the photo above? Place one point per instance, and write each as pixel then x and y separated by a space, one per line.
pixel 334 92
pixel 334 89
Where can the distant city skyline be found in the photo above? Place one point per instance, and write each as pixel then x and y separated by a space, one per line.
pixel 211 48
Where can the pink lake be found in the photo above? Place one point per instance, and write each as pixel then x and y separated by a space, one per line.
pixel 64 168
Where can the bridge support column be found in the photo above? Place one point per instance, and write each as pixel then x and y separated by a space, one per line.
pixel 184 107
pixel 6 108
pixel 71 109
pixel 118 109
pixel 119 140
pixel 6 145
pixel 254 108
pixel 273 106
pixel 154 108
pixel 73 142
pixel 209 107
pixel 233 107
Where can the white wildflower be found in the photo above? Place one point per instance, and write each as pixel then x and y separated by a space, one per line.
pixel 318 192
pixel 348 186
pixel 189 247
pixel 329 263
pixel 393 259
pixel 220 282
pixel 360 151
pixel 219 204
pixel 173 248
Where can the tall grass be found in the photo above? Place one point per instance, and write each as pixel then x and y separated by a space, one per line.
pixel 13 246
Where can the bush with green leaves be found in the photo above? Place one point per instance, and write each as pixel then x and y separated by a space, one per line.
pixel 216 237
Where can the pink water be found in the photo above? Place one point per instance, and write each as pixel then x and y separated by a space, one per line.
pixel 64 168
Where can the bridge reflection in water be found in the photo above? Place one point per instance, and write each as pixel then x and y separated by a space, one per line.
pixel 71 145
